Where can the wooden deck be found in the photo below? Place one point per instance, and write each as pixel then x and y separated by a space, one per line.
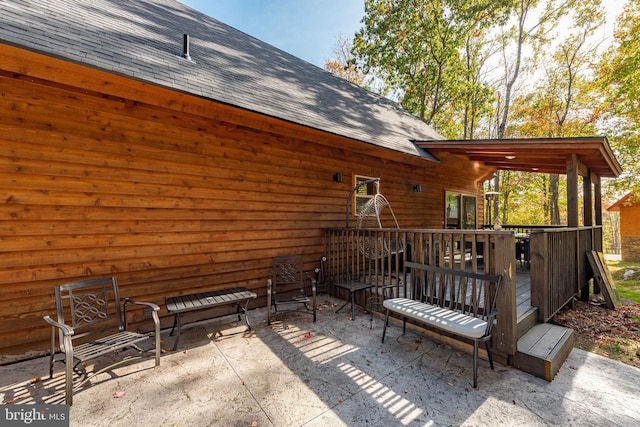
pixel 530 294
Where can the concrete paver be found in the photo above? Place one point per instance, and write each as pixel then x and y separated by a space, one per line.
pixel 334 372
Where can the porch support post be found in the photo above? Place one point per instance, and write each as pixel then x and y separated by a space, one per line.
pixel 587 190
pixel 597 199
pixel 505 334
pixel 572 191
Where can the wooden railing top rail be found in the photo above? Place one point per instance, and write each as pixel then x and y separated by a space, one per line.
pixel 423 230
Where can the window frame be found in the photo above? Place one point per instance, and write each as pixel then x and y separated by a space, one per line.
pixel 364 193
pixel 463 201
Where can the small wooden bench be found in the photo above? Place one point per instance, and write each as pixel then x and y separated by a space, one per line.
pixel 179 305
pixel 459 303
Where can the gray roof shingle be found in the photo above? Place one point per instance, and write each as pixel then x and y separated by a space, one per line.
pixel 142 39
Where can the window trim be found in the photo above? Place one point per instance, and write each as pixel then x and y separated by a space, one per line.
pixel 360 198
pixel 460 224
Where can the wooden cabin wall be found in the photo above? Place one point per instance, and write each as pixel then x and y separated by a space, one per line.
pixel 630 231
pixel 103 175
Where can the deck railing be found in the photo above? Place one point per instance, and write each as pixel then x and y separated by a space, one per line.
pixel 559 267
pixel 377 256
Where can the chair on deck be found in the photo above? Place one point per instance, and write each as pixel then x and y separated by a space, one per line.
pixel 372 215
pixel 90 311
pixel 290 286
pixel 376 249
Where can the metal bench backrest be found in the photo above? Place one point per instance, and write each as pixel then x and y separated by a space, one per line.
pixel 468 293
pixel 90 306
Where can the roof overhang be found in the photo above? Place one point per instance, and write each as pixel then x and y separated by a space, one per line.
pixel 616 206
pixel 542 155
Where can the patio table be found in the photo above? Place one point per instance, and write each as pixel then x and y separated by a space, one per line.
pixel 353 288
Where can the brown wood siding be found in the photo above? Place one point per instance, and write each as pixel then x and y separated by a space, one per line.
pixel 102 175
pixel 630 220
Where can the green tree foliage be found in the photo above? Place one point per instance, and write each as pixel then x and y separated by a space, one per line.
pixel 620 82
pixel 343 63
pixel 561 104
pixel 508 68
pixel 418 49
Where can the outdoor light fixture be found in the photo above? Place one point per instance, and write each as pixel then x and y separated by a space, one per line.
pixel 417 188
pixel 337 177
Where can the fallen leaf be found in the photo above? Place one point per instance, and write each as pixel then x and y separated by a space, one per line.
pixel 119 394
pixel 254 423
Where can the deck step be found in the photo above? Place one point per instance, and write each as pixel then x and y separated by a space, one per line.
pixel 527 320
pixel 543 350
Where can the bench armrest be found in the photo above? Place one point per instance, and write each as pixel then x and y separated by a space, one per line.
pixel 66 330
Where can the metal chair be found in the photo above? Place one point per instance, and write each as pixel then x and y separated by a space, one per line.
pixel 377 248
pixel 372 215
pixel 90 311
pixel 289 286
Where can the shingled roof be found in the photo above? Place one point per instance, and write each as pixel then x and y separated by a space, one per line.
pixel 143 40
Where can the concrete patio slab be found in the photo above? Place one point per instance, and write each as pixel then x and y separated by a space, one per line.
pixel 334 372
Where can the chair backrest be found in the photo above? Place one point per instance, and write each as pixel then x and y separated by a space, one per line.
pixel 377 214
pixel 90 305
pixel 373 214
pixel 288 275
pixel 469 293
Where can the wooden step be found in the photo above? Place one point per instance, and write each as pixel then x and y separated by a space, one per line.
pixel 527 319
pixel 543 350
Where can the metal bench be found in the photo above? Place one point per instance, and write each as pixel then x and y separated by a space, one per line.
pixel 179 305
pixel 459 303
pixel 96 319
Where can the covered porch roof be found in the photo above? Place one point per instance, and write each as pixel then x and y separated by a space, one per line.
pixel 589 157
pixel 543 155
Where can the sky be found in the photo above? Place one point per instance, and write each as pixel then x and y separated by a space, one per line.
pixel 308 29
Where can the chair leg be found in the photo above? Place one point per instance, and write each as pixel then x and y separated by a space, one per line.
pixel 475 364
pixel 68 376
pixel 269 301
pixel 353 306
pixel 386 322
pixel 53 352
pixel 486 343
pixel 156 320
